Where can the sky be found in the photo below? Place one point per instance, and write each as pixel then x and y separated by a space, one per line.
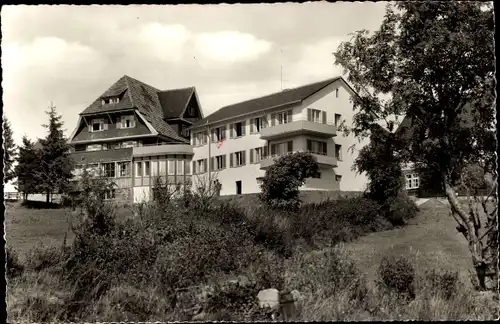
pixel 70 55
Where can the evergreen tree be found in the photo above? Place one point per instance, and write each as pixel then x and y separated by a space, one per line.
pixel 9 151
pixel 54 173
pixel 26 168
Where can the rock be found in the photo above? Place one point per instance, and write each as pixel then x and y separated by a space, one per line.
pixel 269 298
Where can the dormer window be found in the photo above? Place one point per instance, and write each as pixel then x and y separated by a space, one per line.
pixel 126 122
pixel 108 101
pixel 98 125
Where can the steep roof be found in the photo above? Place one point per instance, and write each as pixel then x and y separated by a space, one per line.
pixel 174 101
pixel 135 94
pixel 282 98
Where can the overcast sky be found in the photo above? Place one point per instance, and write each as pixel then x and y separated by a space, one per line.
pixel 71 54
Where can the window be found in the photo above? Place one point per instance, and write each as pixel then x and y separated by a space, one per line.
pixel 124 169
pixel 154 168
pixel 80 148
pixel 237 159
pixel 337 119
pixel 256 124
pixel 187 167
pixel 180 166
pixel 94 147
pixel 238 129
pixel 283 117
pixel 184 131
pixel 126 122
pixel 138 169
pixel 280 149
pixel 317 175
pixel 107 101
pixel 219 134
pixel 338 178
pixel 316 116
pixel 129 144
pixel 200 138
pixel 109 194
pixel 258 154
pixel 108 169
pixel 412 181
pixel 147 168
pixel 200 166
pixel 163 167
pixel 171 167
pixel 218 162
pixel 97 125
pixel 317 147
pixel 93 169
pixel 336 93
pixel 338 152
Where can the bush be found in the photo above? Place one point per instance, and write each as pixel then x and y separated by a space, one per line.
pixel 443 283
pixel 44 257
pixel 396 275
pixel 400 209
pixel 13 265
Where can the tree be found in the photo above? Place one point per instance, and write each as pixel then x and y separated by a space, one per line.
pixel 382 165
pixel 25 170
pixel 281 183
pixel 54 173
pixel 433 62
pixel 9 151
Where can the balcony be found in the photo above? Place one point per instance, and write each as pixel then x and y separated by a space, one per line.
pixel 324 161
pixel 162 150
pixel 298 127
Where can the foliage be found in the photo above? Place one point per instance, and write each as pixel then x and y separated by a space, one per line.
pixel 13 266
pixel 383 166
pixel 397 275
pixel 9 151
pixel 281 183
pixel 27 165
pixel 434 61
pixel 54 172
pixel 442 282
pixel 398 210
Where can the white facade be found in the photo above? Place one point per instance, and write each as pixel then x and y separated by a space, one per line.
pixel 336 172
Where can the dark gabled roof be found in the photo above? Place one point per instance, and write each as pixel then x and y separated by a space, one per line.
pixel 281 98
pixel 138 95
pixel 174 101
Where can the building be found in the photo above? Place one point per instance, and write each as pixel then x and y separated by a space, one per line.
pixel 133 133
pixel 239 142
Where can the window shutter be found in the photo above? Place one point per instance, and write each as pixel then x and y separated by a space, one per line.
pixel 251 156
pixel 309 145
pixel 212 135
pixel 264 121
pixel 194 167
pixel 224 161
pixel 212 163
pixel 324 148
pixel 252 124
pixel 273 149
pixel 309 114
pixel 243 157
pixel 118 123
pixel 223 135
pixel 324 117
pixel 205 165
pixel 243 126
pixel 290 146
pixel 231 132
pixel 90 127
pixel 273 119
pixel 105 124
pixel 265 149
pixel 289 116
pixel 231 160
pixel 132 121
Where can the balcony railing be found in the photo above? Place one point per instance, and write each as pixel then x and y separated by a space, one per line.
pixel 299 127
pixel 163 149
pixel 323 159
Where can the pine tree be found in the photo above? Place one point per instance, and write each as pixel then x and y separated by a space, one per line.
pixel 26 168
pixel 54 173
pixel 9 151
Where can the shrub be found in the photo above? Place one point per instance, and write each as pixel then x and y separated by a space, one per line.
pixel 396 275
pixel 281 183
pixel 44 257
pixel 441 282
pixel 400 209
pixel 13 265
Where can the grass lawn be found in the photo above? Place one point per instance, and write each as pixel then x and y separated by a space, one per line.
pixel 430 239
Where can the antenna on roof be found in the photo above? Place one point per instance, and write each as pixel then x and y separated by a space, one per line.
pixel 281 71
